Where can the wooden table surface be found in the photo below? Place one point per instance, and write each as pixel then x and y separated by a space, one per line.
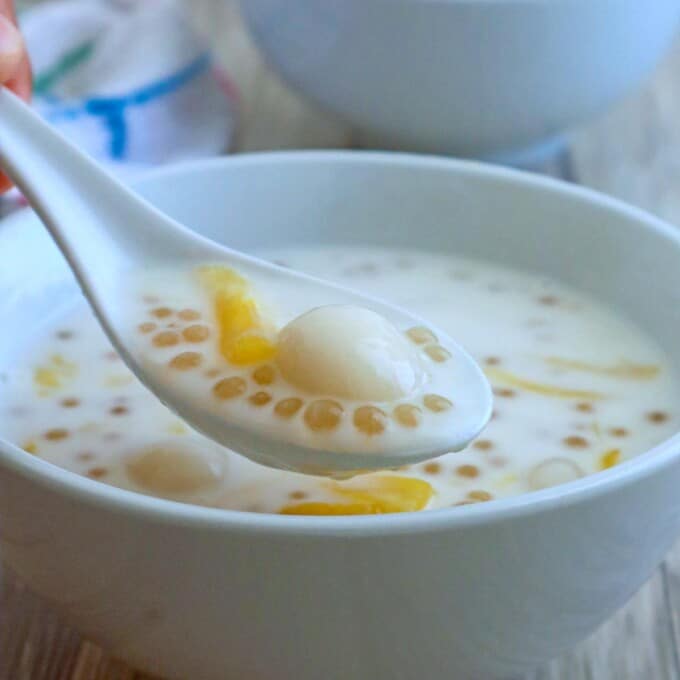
pixel 632 152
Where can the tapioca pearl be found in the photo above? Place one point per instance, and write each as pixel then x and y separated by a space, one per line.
pixel 65 334
pixel 552 472
pixel 212 372
pixel 97 472
pixel 483 444
pixel 584 407
pixel 467 471
pixel 189 314
pixel 618 431
pixel 229 388
pixel 421 335
pixel 287 408
pixel 298 495
pixel 165 339
pixel 186 361
pixel 264 375
pixel 70 402
pixel 479 495
pixel 370 420
pixel 196 333
pixel 260 398
pixel 162 312
pixel 548 300
pixel 323 415
pixel 173 468
pixel 147 327
pixel 504 392
pixel 56 434
pixel 492 361
pixel 408 415
pixel 657 417
pixel 432 468
pixel 438 353
pixel 436 403
pixel 119 410
pixel 576 442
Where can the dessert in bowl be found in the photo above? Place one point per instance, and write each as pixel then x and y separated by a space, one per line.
pixel 481 563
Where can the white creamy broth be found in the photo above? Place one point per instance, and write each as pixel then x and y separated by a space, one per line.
pixel 578 389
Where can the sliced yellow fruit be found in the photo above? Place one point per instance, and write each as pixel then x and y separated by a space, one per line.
pixel 30 447
pixel 610 458
pixel 235 314
pixel 217 278
pixel 623 369
pixel 497 375
pixel 242 337
pixel 56 373
pixel 375 496
pixel 250 349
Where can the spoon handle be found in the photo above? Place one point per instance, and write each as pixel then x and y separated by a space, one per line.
pixel 89 213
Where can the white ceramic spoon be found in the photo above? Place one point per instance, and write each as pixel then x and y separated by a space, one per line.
pixel 106 233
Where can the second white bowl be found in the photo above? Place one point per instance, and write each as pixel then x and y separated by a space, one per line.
pixel 494 79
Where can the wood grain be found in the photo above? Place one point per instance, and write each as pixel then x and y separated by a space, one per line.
pixel 633 152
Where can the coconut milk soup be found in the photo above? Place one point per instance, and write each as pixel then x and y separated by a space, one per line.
pixel 578 389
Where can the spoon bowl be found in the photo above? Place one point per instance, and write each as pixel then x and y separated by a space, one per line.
pixel 108 234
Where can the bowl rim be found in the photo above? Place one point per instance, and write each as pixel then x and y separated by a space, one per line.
pixel 90 492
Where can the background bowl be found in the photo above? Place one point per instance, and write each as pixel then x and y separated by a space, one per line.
pixel 493 79
pixel 486 591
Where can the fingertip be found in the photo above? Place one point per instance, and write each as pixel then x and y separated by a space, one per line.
pixel 11 49
pixel 5 184
pixel 21 81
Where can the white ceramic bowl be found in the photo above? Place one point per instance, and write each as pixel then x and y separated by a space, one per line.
pixel 485 591
pixel 494 79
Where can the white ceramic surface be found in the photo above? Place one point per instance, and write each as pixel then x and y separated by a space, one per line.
pixel 494 79
pixel 486 591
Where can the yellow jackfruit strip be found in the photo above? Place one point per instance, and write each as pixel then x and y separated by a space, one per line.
pixel 56 373
pixel 373 497
pixel 241 340
pixel 610 458
pixel 497 375
pixel 250 349
pixel 30 447
pixel 623 369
